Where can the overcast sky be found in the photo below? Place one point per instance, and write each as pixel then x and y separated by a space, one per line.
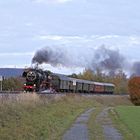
pixel 28 25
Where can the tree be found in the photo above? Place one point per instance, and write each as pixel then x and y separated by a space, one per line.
pixel 74 75
pixel 121 81
pixel 86 75
pixel 134 90
pixel 12 84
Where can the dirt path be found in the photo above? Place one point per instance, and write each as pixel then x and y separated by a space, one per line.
pixel 102 128
pixel 105 122
pixel 79 130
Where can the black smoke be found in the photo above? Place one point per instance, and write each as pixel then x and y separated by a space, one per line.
pixel 48 55
pixel 103 58
pixel 108 59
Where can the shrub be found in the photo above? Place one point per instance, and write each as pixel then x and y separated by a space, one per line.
pixel 12 84
pixel 134 90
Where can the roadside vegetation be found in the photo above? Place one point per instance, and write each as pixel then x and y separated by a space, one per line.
pixel 12 84
pixel 128 120
pixel 95 128
pixel 34 117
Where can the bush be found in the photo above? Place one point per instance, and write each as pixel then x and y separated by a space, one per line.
pixel 12 84
pixel 134 90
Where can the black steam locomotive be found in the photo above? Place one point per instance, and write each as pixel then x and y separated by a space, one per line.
pixel 38 80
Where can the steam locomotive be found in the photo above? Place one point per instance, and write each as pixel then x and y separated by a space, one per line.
pixel 38 80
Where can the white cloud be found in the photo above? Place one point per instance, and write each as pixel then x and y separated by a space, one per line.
pixel 93 40
pixel 16 66
pixel 50 37
pixel 108 36
pixel 62 1
pixel 52 1
pixel 61 39
pixel 29 24
pixel 134 40
pixel 17 54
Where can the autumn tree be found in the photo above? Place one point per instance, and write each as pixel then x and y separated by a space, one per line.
pixel 134 90
pixel 86 75
pixel 120 80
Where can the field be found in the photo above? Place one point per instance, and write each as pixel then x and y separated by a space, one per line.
pixel 130 116
pixel 39 117
pixel 36 117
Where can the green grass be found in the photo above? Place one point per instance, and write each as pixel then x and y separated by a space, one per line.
pixel 95 130
pixel 128 118
pixel 40 120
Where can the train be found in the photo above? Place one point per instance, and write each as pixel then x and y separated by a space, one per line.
pixel 37 80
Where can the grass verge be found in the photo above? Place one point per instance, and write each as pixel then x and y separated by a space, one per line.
pixel 39 119
pixel 127 120
pixel 95 130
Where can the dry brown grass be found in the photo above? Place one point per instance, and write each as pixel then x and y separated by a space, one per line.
pixel 21 98
pixel 28 99
pixel 33 116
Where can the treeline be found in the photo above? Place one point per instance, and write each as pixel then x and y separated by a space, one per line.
pixel 118 78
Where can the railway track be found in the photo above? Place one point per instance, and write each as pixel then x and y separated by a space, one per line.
pixel 57 93
pixel 11 92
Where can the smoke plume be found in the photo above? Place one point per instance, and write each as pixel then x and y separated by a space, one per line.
pixel 135 69
pixel 108 59
pixel 94 58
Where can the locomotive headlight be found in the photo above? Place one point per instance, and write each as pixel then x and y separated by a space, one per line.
pixel 34 85
pixel 24 84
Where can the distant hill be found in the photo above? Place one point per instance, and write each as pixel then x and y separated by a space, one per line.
pixel 11 72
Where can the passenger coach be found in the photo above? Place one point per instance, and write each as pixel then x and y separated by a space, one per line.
pixel 62 83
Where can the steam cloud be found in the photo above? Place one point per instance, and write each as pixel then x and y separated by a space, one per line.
pixel 105 59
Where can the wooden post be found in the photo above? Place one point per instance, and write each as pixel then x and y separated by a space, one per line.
pixel 1 78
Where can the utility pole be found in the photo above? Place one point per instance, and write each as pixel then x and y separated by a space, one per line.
pixel 1 78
